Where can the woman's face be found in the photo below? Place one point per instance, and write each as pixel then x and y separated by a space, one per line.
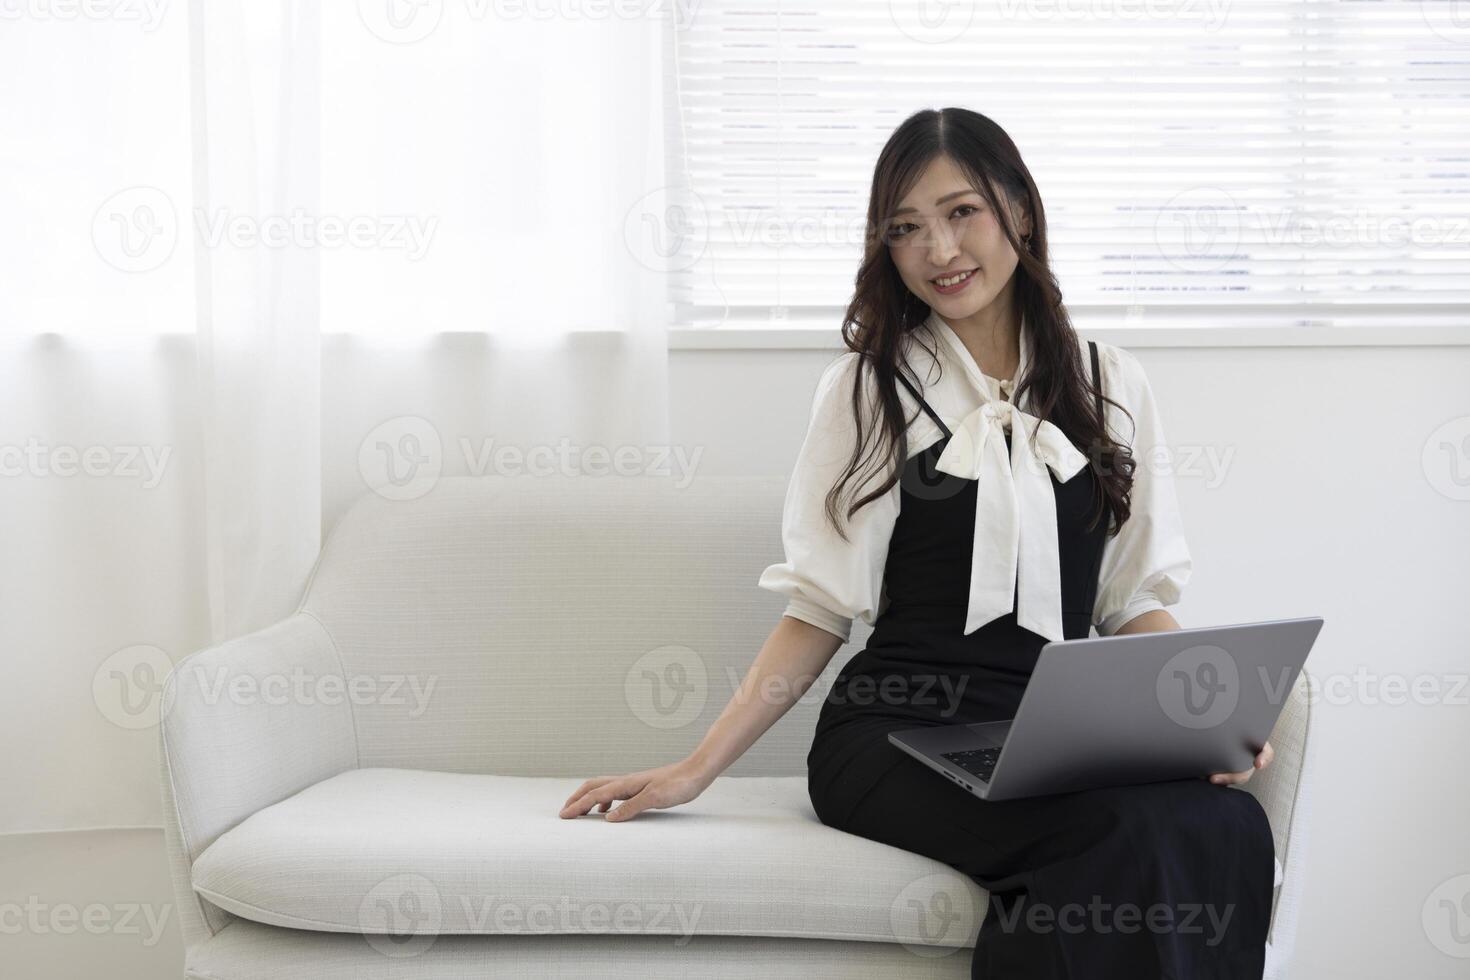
pixel 944 227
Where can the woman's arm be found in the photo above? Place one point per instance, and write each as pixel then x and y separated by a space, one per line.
pixel 829 580
pixel 1153 621
pixel 789 662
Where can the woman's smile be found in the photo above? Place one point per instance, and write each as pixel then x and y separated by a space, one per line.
pixel 953 285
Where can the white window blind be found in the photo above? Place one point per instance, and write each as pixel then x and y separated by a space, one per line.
pixel 1256 162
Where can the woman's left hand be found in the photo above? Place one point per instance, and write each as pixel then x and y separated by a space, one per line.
pixel 1263 759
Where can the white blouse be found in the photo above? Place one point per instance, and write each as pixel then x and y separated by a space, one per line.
pixel 830 581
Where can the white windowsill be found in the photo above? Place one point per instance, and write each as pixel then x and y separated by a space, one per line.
pixel 829 338
pixel 795 336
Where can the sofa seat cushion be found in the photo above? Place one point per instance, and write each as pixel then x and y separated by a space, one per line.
pixel 403 851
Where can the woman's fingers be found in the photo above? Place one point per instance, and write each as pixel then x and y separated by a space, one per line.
pixel 584 788
pixel 577 804
pixel 1262 760
pixel 582 804
pixel 651 789
pixel 631 808
pixel 601 794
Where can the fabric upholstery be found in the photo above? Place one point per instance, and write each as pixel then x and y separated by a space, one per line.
pixel 488 854
pixel 250 951
pixel 491 855
pixel 526 634
pixel 1284 789
pixel 235 737
pixel 570 627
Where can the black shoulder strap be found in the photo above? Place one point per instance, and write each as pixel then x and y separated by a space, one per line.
pixel 1097 559
pixel 1096 379
pixel 920 398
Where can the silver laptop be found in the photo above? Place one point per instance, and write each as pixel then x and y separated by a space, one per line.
pixel 1128 708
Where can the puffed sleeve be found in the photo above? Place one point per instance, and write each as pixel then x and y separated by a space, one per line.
pixel 1146 565
pixel 831 581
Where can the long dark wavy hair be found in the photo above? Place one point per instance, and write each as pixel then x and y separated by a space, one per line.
pixel 883 311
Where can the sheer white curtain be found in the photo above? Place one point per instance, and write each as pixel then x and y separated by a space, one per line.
pixel 198 202
pixel 255 79
pixel 514 165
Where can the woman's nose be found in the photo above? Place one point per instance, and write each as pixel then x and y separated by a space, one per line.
pixel 942 247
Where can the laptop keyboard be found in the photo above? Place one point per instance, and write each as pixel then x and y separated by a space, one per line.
pixel 976 762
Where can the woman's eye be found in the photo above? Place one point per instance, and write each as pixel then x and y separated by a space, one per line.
pixel 897 232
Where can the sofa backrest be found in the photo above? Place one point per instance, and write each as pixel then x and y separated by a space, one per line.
pixel 557 626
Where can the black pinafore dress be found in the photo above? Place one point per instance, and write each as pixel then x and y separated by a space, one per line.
pixel 1063 871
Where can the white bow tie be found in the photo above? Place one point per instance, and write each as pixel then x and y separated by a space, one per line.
pixel 1015 509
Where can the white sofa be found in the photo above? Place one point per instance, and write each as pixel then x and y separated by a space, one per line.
pixel 325 818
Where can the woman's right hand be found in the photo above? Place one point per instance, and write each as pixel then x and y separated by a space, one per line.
pixel 666 786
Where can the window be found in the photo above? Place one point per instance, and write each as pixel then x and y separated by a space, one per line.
pixel 1262 162
pixel 96 162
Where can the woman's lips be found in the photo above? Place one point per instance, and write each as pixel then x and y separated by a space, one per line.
pixel 957 287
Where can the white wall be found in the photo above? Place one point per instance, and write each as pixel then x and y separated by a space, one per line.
pixel 1323 507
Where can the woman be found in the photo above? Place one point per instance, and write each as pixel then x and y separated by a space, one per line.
pixel 967 549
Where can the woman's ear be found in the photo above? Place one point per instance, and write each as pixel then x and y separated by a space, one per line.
pixel 1021 218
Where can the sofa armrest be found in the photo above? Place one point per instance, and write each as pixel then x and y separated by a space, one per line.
pixel 244 725
pixel 1283 789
